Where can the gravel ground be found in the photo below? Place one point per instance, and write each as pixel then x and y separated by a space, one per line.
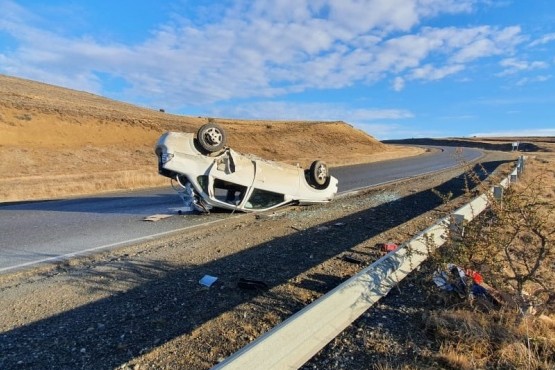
pixel 142 307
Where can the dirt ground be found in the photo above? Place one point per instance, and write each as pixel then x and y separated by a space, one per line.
pixel 57 142
pixel 143 307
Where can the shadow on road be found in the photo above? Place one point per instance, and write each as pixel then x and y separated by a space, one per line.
pixel 168 302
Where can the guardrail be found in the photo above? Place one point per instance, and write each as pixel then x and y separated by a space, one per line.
pixel 293 342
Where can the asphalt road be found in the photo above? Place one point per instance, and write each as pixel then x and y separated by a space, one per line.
pixel 45 231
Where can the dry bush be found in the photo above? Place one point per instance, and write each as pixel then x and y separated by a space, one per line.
pixel 500 339
pixel 512 246
pixel 456 356
pixel 516 355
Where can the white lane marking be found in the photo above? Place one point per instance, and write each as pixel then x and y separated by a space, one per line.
pixel 112 245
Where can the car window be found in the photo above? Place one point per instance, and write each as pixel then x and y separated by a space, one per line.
pixel 229 192
pixel 264 199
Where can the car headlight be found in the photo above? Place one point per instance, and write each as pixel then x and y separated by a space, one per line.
pixel 166 157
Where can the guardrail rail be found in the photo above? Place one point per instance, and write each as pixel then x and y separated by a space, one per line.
pixel 293 342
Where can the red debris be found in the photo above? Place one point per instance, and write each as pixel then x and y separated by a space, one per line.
pixel 387 247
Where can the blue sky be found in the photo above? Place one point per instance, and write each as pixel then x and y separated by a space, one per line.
pixel 393 68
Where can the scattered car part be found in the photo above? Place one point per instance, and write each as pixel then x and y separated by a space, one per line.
pixel 208 280
pixel 156 217
pixel 386 247
pixel 250 284
pixel 352 259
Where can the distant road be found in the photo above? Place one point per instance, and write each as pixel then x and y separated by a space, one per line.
pixel 372 174
pixel 35 232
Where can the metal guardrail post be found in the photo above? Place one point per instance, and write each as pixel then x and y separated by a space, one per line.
pixel 456 227
pixel 498 192
pixel 520 165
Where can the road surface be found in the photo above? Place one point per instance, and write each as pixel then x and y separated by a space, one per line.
pixel 37 232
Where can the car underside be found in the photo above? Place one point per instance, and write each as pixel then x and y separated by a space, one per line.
pixel 208 174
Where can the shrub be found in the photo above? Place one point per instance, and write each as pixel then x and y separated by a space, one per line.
pixel 511 244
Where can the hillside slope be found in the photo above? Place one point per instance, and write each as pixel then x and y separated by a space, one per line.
pixel 56 142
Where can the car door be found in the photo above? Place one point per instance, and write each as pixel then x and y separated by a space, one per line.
pixel 230 178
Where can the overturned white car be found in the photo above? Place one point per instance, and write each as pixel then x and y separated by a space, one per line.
pixel 212 175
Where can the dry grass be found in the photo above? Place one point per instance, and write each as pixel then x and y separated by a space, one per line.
pixel 503 339
pixel 456 356
pixel 53 186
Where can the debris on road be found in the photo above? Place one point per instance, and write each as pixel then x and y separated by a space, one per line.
pixel 385 248
pixel 156 217
pixel 208 280
pixel 466 283
pixel 352 259
pixel 451 281
pixel 250 284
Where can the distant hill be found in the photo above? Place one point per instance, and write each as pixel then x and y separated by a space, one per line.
pixel 525 144
pixel 57 142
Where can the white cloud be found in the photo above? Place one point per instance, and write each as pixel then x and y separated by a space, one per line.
pixel 536 79
pixel 545 39
pixel 398 84
pixel 484 41
pixel 513 65
pixel 259 49
pixel 429 72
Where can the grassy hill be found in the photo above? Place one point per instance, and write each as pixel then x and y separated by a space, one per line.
pixel 57 142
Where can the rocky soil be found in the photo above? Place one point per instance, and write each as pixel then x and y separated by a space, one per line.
pixel 142 307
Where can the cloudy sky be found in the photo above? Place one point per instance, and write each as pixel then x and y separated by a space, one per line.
pixel 393 68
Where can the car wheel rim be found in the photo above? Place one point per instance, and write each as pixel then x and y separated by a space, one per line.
pixel 321 174
pixel 213 136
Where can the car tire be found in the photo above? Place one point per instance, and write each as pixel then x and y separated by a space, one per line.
pixel 319 174
pixel 211 137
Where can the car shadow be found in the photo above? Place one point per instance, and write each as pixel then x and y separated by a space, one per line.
pixel 168 302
